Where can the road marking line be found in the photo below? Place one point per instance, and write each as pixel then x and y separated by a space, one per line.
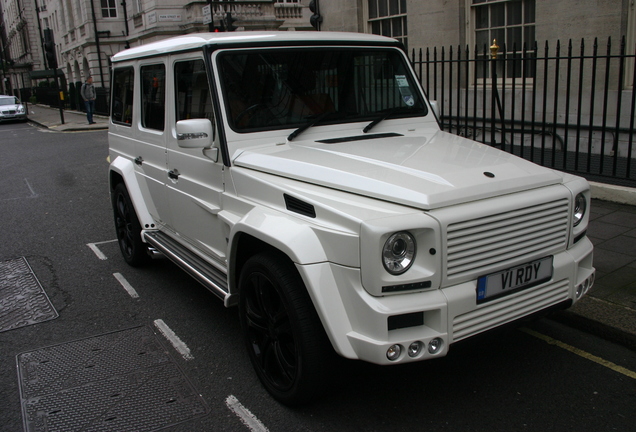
pixel 177 343
pixel 127 286
pixel 581 353
pixel 33 194
pixel 95 249
pixel 245 415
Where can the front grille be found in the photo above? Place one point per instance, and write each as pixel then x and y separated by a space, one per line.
pixel 479 246
pixel 508 309
pixel 8 112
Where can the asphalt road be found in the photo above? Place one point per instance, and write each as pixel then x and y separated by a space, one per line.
pixel 55 212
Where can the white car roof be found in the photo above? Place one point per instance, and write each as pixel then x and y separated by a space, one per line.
pixel 198 40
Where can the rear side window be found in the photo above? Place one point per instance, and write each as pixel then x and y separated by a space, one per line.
pixel 153 96
pixel 122 101
pixel 192 91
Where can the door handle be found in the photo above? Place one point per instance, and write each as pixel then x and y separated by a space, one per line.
pixel 173 174
pixel 139 160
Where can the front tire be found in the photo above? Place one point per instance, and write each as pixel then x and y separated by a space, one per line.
pixel 133 249
pixel 285 340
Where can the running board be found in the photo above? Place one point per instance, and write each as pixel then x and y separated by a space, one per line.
pixel 213 279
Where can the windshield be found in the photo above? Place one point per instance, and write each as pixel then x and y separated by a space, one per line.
pixel 289 88
pixel 9 100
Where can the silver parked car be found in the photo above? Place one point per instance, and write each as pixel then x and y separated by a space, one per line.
pixel 12 109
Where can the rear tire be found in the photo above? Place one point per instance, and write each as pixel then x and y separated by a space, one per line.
pixel 133 249
pixel 285 340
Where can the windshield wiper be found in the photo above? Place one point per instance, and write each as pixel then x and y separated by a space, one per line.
pixel 310 123
pixel 386 114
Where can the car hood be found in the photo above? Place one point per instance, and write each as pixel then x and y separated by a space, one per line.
pixel 424 172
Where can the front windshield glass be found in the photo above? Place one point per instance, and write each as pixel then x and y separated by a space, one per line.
pixel 9 100
pixel 287 88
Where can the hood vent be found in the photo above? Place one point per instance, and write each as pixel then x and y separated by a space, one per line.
pixel 298 206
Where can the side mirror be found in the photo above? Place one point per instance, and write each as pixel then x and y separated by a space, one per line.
pixel 195 133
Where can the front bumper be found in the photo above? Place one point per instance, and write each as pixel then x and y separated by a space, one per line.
pixel 358 323
pixel 13 117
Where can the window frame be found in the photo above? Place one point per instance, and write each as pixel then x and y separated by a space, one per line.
pixel 175 89
pixel 142 96
pixel 111 5
pixel 479 54
pixel 402 15
pixel 122 121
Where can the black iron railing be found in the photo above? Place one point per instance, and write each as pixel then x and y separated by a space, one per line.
pixel 571 109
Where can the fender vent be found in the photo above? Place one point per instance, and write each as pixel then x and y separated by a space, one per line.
pixel 297 206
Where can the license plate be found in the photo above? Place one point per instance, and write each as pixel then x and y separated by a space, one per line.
pixel 514 279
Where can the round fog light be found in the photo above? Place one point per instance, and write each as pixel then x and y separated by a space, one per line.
pixel 579 291
pixel 435 346
pixel 415 349
pixel 394 351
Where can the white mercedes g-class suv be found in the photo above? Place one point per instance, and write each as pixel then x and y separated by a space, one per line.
pixel 304 177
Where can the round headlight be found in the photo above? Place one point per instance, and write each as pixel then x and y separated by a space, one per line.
pixel 580 206
pixel 398 253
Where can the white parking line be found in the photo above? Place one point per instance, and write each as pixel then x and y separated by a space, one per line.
pixel 33 194
pixel 95 249
pixel 127 286
pixel 177 343
pixel 245 415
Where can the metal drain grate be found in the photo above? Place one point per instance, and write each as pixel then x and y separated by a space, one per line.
pixel 122 381
pixel 22 299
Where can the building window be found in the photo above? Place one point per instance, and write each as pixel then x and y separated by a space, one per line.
pixel 388 18
pixel 512 24
pixel 137 7
pixel 109 8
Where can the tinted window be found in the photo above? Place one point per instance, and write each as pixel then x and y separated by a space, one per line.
pixel 276 89
pixel 123 90
pixel 192 91
pixel 153 96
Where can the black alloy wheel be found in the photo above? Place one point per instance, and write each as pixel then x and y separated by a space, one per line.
pixel 133 249
pixel 285 339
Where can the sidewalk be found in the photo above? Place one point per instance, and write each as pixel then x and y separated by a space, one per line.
pixel 609 308
pixel 74 121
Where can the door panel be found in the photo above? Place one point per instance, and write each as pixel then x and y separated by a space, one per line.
pixel 195 187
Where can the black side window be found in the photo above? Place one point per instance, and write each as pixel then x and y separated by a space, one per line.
pixel 192 91
pixel 153 96
pixel 123 90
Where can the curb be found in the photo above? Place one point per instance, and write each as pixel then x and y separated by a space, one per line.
pixel 596 328
pixel 611 193
pixel 584 315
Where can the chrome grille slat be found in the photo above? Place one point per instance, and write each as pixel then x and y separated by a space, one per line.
pixel 545 208
pixel 484 267
pixel 475 247
pixel 507 309
pixel 499 242
pixel 506 228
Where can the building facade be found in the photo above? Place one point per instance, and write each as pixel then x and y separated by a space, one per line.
pixel 87 33
pixel 436 23
pixel 20 50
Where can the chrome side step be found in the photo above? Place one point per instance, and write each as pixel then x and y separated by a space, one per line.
pixel 213 279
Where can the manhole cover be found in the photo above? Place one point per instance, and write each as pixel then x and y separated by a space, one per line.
pixel 22 299
pixel 122 381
